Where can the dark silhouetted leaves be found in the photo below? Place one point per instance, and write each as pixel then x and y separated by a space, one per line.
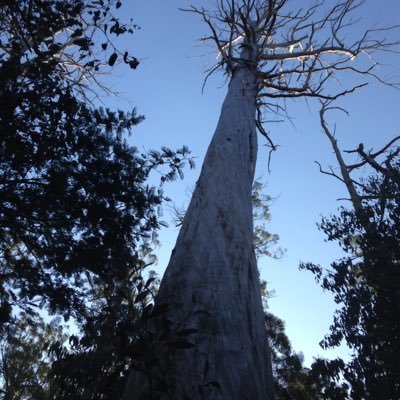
pixel 112 59
pixel 77 214
pixel 365 284
pixel 134 63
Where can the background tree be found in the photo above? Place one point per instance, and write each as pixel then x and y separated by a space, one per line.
pixel 365 282
pixel 211 284
pixel 25 367
pixel 76 211
pixel 265 243
pixel 294 381
pixel 73 197
pixel 96 361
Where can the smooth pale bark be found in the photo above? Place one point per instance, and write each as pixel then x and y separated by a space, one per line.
pixel 212 281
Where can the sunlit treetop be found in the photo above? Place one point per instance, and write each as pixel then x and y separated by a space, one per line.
pixel 295 52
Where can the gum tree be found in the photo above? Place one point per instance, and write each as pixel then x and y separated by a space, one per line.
pixel 210 339
pixel 365 281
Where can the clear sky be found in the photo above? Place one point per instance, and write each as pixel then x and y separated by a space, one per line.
pixel 166 88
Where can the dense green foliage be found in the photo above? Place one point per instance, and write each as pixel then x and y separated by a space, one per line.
pixel 76 214
pixel 73 196
pixel 366 286
pixel 94 363
pixel 25 365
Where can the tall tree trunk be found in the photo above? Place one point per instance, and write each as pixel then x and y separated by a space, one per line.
pixel 212 282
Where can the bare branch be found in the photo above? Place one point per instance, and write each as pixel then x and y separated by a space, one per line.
pixel 386 169
pixel 296 53
pixel 345 174
pixel 330 173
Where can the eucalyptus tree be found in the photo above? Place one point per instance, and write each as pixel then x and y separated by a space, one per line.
pixel 210 341
pixel 365 282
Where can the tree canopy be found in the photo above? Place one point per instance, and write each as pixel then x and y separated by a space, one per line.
pixel 77 216
pixel 73 196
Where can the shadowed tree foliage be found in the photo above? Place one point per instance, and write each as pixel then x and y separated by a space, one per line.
pixel 25 365
pixel 76 214
pixel 366 282
pixel 95 362
pixel 294 381
pixel 74 201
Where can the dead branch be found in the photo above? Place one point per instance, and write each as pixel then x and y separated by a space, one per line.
pixel 296 53
pixel 345 174
pixel 385 168
pixel 370 158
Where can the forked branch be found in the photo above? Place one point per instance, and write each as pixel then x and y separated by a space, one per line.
pixel 389 152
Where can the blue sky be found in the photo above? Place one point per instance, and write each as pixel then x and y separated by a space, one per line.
pixel 166 88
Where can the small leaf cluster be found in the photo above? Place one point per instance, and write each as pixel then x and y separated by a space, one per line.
pixel 66 42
